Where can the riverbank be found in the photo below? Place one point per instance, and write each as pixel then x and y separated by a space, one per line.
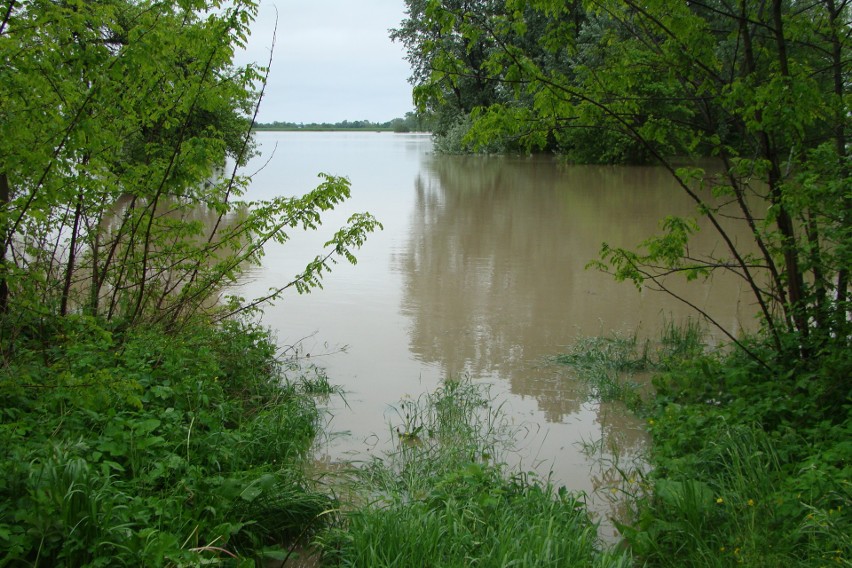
pixel 157 448
pixel 141 447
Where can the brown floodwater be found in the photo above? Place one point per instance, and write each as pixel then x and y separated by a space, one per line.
pixel 479 271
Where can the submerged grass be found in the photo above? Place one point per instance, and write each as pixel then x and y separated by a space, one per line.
pixel 443 497
pixel 608 364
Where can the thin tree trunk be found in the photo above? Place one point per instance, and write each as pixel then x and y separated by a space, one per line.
pixel 841 321
pixel 72 256
pixel 7 16
pixel 94 287
pixel 4 204
pixel 795 278
pixel 104 269
pixel 790 289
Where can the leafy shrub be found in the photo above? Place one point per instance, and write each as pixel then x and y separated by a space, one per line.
pixel 751 465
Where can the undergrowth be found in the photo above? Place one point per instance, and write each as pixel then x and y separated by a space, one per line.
pixel 750 465
pixel 140 448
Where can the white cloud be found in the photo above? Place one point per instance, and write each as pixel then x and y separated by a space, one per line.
pixel 333 60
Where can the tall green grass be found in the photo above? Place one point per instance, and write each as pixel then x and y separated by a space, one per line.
pixel 444 497
pixel 609 364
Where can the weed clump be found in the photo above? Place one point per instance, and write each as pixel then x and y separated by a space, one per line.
pixel 608 364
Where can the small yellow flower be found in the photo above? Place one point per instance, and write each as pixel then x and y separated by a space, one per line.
pixel 719 500
pixel 721 549
pixel 650 422
pixel 751 502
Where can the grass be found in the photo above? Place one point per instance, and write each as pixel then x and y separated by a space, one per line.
pixel 444 498
pixel 608 364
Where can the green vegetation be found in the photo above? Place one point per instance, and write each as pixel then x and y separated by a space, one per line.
pixel 445 498
pixel 141 448
pixel 413 122
pixel 747 467
pixel 142 422
pixel 119 188
pixel 752 466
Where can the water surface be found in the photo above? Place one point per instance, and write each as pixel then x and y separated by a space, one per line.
pixel 480 270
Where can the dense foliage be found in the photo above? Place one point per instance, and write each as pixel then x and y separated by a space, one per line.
pixel 141 422
pixel 143 449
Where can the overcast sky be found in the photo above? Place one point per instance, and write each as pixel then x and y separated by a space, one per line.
pixel 333 61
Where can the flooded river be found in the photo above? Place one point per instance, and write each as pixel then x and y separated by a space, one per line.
pixel 479 271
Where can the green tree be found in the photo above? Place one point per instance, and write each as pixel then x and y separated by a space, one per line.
pixel 453 47
pixel 760 86
pixel 448 71
pixel 122 127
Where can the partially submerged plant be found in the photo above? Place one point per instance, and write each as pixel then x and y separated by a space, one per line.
pixel 444 493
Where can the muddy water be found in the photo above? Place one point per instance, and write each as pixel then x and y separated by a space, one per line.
pixel 479 271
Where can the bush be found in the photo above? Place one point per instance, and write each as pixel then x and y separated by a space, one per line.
pixel 751 465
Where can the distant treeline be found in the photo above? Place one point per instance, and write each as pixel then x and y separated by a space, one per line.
pixel 410 123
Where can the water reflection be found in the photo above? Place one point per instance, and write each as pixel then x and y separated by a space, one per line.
pixel 480 270
pixel 494 270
